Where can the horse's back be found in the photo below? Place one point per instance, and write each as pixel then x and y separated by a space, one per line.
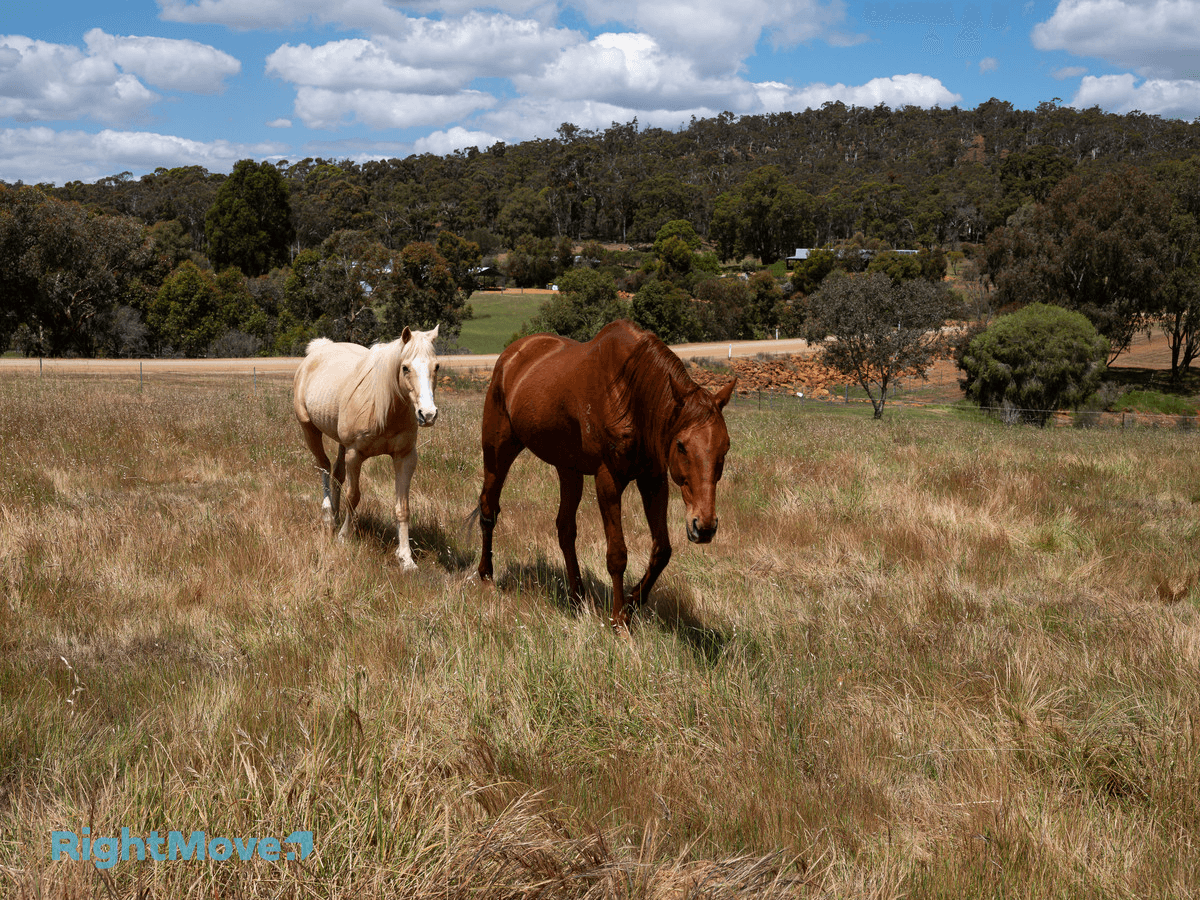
pixel 538 373
pixel 320 379
pixel 553 393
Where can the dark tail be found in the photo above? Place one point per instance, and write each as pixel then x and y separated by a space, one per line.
pixel 471 519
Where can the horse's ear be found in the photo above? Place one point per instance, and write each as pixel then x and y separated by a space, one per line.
pixel 433 334
pixel 405 335
pixel 723 395
pixel 680 391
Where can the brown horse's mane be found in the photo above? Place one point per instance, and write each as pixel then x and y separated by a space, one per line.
pixel 656 398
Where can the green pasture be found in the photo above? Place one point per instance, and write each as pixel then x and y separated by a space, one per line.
pixel 496 318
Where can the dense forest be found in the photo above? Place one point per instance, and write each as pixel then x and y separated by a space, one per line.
pixel 183 261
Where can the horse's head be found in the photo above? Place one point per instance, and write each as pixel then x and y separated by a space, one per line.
pixel 418 373
pixel 696 460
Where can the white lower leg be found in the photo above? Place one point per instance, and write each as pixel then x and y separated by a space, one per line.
pixel 403 550
pixel 326 503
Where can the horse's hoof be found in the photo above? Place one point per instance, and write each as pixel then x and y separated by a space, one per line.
pixel 406 564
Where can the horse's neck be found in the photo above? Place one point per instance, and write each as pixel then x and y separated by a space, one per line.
pixel 652 431
pixel 380 384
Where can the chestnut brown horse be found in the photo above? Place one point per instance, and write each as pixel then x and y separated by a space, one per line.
pixel 620 407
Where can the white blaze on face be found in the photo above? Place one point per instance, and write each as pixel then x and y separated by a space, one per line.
pixel 423 379
pixel 421 374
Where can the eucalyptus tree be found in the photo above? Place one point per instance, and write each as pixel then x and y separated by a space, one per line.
pixel 874 330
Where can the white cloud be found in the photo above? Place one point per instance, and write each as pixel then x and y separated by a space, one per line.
pixel 719 34
pixel 372 15
pixel 441 143
pixel 988 64
pixel 178 65
pixel 320 108
pixel 629 70
pixel 1155 38
pixel 45 82
pixel 1068 72
pixel 896 91
pixel 493 45
pixel 280 123
pixel 355 65
pixel 41 154
pixel 40 81
pixel 430 57
pixel 1122 94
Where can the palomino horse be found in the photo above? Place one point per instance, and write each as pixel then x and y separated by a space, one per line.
pixel 622 408
pixel 370 402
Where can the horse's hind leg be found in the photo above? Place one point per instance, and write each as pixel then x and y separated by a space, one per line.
pixel 313 438
pixel 335 489
pixel 570 491
pixel 500 448
pixel 608 495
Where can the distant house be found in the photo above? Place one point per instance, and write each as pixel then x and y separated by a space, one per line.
pixel 799 256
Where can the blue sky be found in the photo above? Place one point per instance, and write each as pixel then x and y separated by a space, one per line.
pixel 89 90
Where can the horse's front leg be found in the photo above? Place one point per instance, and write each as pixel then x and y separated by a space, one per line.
pixel 404 464
pixel 570 491
pixel 608 494
pixel 656 496
pixel 500 449
pixel 354 461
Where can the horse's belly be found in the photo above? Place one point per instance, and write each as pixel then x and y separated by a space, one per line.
pixel 566 442
pixel 321 402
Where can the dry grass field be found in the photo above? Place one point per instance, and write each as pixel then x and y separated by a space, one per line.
pixel 932 656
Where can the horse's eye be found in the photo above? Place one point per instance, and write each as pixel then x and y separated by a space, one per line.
pixel 437 366
pixel 404 369
pixel 682 449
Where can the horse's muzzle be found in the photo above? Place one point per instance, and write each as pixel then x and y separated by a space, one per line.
pixel 699 535
pixel 425 419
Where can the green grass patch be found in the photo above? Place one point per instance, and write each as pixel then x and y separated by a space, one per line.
pixel 497 317
pixel 1156 402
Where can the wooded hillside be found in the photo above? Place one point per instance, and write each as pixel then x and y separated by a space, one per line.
pixel 184 261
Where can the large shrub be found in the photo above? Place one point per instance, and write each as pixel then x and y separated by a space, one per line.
pixel 1035 361
pixel 586 301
